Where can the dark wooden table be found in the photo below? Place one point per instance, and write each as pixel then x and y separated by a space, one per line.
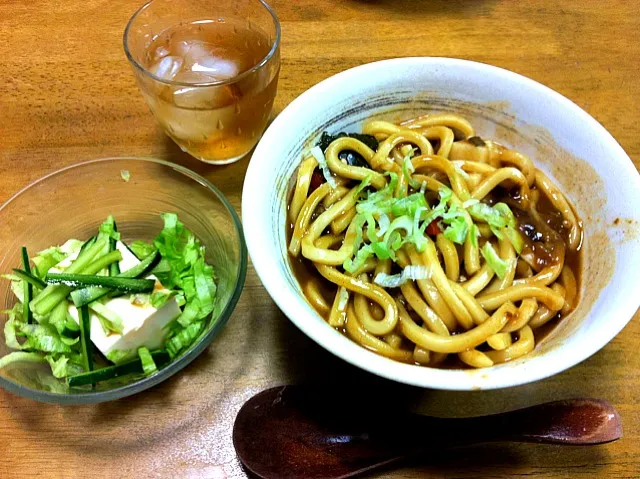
pixel 67 94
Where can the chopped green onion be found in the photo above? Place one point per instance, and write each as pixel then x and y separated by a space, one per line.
pixel 408 205
pixel 497 264
pixel 497 217
pixel 457 165
pixel 514 236
pixel 383 222
pixel 360 258
pixel 475 234
pixel 458 226
pixel 402 223
pixel 409 273
pixel 322 162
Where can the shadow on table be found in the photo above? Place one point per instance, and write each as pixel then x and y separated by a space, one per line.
pixel 227 178
pixel 308 362
pixel 108 421
pixel 428 7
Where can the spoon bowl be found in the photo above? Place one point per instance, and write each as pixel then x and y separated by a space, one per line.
pixel 303 432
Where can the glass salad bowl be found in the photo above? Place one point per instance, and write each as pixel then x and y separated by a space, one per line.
pixel 72 203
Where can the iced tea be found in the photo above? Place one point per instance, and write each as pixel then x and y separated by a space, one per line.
pixel 210 83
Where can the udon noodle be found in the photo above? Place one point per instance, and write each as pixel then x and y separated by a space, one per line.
pixel 426 244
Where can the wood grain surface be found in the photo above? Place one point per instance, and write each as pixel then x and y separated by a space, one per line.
pixel 67 94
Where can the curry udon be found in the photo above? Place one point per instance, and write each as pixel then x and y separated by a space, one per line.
pixel 429 245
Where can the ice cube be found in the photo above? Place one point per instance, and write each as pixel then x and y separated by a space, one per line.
pixel 203 97
pixel 167 68
pixel 219 68
pixel 160 53
pixel 196 125
pixel 199 57
pixel 192 51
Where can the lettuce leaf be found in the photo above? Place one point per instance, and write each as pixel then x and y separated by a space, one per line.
pixel 44 343
pixel 63 366
pixel 19 357
pixel 182 338
pixel 108 229
pixel 159 298
pixel 148 364
pixel 47 259
pixel 117 356
pixel 109 320
pixel 11 325
pixel 42 337
pixel 141 249
pixel 187 269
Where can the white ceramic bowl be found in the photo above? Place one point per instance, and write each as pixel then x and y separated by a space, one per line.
pixel 562 139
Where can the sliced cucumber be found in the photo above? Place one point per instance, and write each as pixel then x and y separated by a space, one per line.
pixel 85 339
pixel 29 278
pixel 114 268
pixel 160 358
pixel 54 293
pixel 93 293
pixel 28 288
pixel 124 285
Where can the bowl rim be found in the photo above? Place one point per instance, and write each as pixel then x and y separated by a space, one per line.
pixel 287 299
pixel 193 352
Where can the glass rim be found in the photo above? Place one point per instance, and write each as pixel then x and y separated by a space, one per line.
pixel 90 397
pixel 244 74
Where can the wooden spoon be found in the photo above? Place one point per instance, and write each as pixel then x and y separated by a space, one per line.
pixel 306 432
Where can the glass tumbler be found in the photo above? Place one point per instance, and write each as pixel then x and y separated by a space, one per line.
pixel 208 70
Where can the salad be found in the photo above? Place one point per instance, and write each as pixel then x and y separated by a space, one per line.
pixel 99 309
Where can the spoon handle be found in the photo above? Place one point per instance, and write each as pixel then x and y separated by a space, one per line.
pixel 572 421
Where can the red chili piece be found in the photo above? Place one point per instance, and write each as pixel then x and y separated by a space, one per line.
pixel 433 229
pixel 316 180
